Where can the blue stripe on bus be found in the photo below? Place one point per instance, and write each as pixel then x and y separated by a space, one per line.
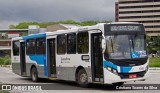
pixel 123 69
pixel 34 36
pixel 107 63
pixel 41 60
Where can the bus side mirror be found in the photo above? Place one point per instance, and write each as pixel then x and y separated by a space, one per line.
pixel 103 44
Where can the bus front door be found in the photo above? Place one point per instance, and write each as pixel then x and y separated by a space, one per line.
pixel 97 59
pixel 22 59
pixel 51 58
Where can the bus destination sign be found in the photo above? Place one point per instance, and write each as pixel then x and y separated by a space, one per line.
pixel 125 28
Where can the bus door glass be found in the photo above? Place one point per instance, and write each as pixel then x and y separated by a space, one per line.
pixel 22 58
pixel 97 61
pixel 51 58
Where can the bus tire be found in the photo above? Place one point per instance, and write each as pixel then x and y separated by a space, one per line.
pixel 118 84
pixel 34 74
pixel 82 78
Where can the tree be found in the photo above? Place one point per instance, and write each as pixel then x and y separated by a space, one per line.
pixel 24 25
pixel 156 43
pixel 149 43
pixel 12 26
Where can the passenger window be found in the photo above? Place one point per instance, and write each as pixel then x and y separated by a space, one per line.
pixel 82 42
pixel 61 44
pixel 71 43
pixel 30 47
pixel 16 46
pixel 40 46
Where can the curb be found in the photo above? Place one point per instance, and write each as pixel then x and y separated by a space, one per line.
pixel 154 68
pixel 8 66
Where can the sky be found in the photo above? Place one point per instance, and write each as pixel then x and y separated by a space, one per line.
pixel 15 11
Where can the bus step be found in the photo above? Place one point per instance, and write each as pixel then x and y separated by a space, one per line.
pixel 51 78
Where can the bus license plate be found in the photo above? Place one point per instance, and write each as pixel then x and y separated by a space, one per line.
pixel 132 76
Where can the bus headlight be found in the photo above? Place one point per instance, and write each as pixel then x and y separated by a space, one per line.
pixel 112 70
pixel 109 68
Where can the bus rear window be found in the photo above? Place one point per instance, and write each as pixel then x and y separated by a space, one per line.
pixel 16 45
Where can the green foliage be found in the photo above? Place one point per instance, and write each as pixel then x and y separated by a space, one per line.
pixel 153 43
pixel 2 91
pixel 89 23
pixel 156 43
pixel 12 27
pixel 5 60
pixel 149 43
pixel 24 25
pixel 154 62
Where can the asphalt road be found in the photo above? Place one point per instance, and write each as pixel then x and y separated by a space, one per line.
pixel 7 77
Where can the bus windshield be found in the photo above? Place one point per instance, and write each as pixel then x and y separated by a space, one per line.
pixel 125 46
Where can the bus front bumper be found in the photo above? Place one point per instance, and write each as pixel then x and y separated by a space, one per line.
pixel 110 78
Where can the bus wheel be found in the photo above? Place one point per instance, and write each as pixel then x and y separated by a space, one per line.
pixel 82 78
pixel 34 74
pixel 118 84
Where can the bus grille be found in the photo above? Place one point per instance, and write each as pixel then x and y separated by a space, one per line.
pixel 126 75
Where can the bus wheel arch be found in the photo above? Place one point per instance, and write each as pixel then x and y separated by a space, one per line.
pixel 81 77
pixel 34 73
pixel 76 73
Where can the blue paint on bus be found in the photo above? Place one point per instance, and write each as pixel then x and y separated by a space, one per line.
pixel 39 59
pixel 107 63
pixel 123 69
pixel 34 36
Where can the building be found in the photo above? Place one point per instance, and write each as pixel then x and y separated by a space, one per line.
pixel 7 34
pixel 5 39
pixel 142 11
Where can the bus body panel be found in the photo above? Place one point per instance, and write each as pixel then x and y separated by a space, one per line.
pixel 110 77
pixel 15 59
pixel 67 64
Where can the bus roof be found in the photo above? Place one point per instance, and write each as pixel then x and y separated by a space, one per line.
pixel 34 36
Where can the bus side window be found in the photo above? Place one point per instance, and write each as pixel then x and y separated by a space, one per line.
pixel 71 43
pixel 16 45
pixel 61 44
pixel 30 47
pixel 40 46
pixel 82 42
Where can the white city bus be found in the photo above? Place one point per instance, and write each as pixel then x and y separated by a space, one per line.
pixel 111 53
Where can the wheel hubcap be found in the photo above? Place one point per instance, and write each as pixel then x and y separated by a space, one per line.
pixel 83 77
pixel 33 75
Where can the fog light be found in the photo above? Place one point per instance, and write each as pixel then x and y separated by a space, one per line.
pixel 114 71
